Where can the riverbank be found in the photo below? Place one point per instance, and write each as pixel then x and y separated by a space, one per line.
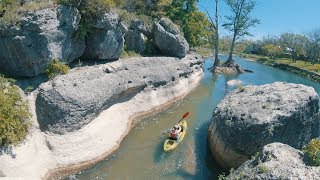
pixel 47 155
pixel 302 68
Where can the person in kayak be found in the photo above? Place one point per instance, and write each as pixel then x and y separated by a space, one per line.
pixel 175 132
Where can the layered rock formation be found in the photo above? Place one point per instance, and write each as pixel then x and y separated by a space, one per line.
pixel 70 101
pixel 28 49
pixel 276 161
pixel 168 38
pixel 252 116
pixel 106 40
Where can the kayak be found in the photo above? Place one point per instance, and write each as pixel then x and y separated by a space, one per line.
pixel 169 144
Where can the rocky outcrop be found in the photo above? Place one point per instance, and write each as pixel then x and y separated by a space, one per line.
pixel 106 40
pixel 169 40
pixel 27 49
pixel 134 39
pixel 276 161
pixel 252 116
pixel 71 101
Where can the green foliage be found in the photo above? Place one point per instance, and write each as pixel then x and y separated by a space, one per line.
pixel 295 44
pixel 56 68
pixel 272 51
pixel 194 24
pixel 262 169
pixel 13 114
pixel 312 150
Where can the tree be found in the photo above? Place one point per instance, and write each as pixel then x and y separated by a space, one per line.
pixel 239 21
pixel 295 44
pixel 216 45
pixel 215 28
pixel 313 46
pixel 272 50
pixel 194 24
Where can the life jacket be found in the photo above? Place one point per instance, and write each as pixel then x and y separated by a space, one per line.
pixel 174 135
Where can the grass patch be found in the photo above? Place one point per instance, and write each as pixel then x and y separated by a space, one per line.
pixel 262 169
pixel 13 10
pixel 57 68
pixel 312 150
pixel 13 114
pixel 204 52
pixel 241 88
pixel 128 54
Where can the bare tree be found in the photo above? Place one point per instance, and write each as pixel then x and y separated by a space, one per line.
pixel 239 21
pixel 215 26
pixel 216 45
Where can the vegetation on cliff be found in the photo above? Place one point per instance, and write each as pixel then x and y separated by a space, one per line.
pixel 312 149
pixel 13 114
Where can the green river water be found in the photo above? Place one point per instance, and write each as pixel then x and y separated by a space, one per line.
pixel 140 155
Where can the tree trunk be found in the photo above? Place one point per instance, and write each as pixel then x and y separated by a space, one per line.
pixel 231 49
pixel 216 47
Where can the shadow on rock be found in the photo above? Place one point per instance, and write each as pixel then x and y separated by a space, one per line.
pixel 8 150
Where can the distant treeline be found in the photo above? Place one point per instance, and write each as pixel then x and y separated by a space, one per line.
pixel 296 46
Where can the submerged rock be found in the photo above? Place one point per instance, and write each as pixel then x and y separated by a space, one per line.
pixel 106 41
pixel 252 116
pixel 70 101
pixel 169 40
pixel 28 49
pixel 276 161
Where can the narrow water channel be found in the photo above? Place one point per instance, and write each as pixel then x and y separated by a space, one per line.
pixel 141 156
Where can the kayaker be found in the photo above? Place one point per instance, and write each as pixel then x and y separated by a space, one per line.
pixel 175 132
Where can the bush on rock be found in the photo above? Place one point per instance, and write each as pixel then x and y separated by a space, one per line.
pixel 57 68
pixel 312 150
pixel 13 114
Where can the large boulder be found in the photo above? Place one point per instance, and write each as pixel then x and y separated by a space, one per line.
pixel 70 101
pixel 252 116
pixel 106 40
pixel 276 161
pixel 169 40
pixel 28 49
pixel 134 39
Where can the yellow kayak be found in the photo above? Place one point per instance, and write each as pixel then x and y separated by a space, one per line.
pixel 170 145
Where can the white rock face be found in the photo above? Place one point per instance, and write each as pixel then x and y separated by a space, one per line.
pixel 45 155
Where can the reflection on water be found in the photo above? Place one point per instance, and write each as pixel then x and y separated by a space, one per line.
pixel 141 156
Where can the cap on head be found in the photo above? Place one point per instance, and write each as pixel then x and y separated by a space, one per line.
pixel 176 126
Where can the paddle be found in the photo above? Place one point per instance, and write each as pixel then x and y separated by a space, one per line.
pixel 183 117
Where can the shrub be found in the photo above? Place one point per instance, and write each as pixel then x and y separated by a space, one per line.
pixel 241 88
pixel 128 54
pixel 13 114
pixel 312 150
pixel 57 68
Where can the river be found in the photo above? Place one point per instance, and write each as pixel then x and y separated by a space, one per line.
pixel 140 155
